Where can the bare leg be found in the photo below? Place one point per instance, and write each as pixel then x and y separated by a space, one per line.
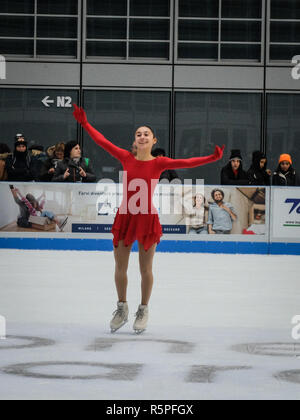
pixel 122 254
pixel 146 263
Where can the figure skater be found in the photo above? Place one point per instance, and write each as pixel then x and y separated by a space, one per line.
pixel 137 218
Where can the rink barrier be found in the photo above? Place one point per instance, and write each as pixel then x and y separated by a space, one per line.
pixel 263 248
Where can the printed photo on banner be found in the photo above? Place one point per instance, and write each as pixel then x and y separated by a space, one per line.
pixel 187 210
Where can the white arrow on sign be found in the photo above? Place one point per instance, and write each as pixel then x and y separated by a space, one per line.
pixel 46 101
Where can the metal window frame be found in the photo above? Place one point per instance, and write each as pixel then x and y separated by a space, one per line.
pixel 277 63
pixel 220 19
pixel 46 58
pixel 128 59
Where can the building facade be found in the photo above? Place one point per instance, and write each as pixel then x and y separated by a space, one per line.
pixel 200 72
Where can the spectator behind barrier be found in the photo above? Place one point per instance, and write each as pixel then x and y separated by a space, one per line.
pixel 233 173
pixel 286 174
pixel 55 154
pixel 169 174
pixel 74 168
pixel 220 215
pixel 20 165
pixel 38 157
pixel 258 174
pixel 4 153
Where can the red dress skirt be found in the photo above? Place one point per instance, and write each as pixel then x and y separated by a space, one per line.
pixel 145 228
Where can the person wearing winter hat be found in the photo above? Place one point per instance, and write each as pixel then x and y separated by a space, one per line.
pixel 286 174
pixel 233 173
pixel 258 174
pixel 4 154
pixel 74 168
pixel 54 154
pixel 19 166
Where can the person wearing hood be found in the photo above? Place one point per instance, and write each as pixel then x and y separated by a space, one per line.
pixel 74 168
pixel 4 154
pixel 19 166
pixel 233 173
pixel 286 175
pixel 55 154
pixel 258 174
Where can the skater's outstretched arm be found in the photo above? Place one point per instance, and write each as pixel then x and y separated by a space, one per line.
pixel 115 151
pixel 168 163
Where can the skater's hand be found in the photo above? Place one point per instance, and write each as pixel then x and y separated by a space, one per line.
pixel 82 173
pixel 51 171
pixel 219 151
pixel 67 174
pixel 80 115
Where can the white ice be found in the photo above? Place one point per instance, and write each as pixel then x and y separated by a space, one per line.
pixel 210 302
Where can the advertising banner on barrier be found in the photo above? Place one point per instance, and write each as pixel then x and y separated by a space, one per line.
pixel 285 214
pixel 199 212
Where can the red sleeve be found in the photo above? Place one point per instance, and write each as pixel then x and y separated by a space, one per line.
pixel 115 151
pixel 168 163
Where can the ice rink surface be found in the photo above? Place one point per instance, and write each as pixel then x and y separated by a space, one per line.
pixel 220 328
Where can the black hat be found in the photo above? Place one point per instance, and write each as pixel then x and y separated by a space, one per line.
pixel 20 143
pixel 18 136
pixel 236 154
pixel 158 152
pixel 36 147
pixel 68 148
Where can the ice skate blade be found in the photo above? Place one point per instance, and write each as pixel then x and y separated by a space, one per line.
pixel 113 330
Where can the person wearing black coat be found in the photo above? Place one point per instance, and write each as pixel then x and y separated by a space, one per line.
pixel 233 173
pixel 169 174
pixel 286 175
pixel 258 174
pixel 74 168
pixel 20 166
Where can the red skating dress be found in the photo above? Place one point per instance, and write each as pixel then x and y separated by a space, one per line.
pixel 143 226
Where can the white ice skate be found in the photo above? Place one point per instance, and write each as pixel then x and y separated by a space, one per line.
pixel 120 317
pixel 141 319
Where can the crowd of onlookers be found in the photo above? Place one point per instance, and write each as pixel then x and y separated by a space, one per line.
pixel 65 163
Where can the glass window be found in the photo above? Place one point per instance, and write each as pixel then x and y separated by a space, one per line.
pixel 247 9
pixel 57 7
pixel 17 6
pixel 203 120
pixel 241 52
pixel 198 30
pixel 149 29
pixel 17 46
pixel 22 110
pixel 132 28
pixel 150 7
pixel 285 9
pixel 242 31
pixel 56 48
pixel 198 51
pixel 285 32
pixel 283 52
pixel 107 7
pixel 117 114
pixel 106 49
pixel 98 28
pixel 16 26
pixel 196 8
pixel 56 27
pixel 149 50
pixel 283 128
